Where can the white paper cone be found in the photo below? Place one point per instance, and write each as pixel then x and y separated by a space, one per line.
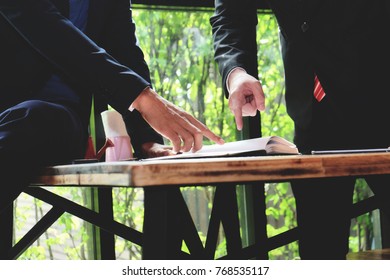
pixel 113 124
pixel 115 130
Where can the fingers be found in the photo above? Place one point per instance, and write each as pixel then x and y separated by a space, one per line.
pixel 198 142
pixel 175 140
pixel 213 137
pixel 182 129
pixel 203 131
pixel 179 131
pixel 260 98
pixel 192 135
pixel 152 149
pixel 237 112
pixel 189 139
pixel 246 98
pixel 236 105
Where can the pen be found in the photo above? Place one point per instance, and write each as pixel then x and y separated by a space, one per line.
pixel 350 151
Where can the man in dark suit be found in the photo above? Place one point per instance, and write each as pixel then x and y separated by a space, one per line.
pixel 54 55
pixel 341 44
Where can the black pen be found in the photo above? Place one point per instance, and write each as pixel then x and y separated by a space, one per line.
pixel 350 151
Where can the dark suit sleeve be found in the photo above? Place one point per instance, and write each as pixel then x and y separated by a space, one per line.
pixel 234 34
pixel 118 71
pixel 56 39
pixel 121 41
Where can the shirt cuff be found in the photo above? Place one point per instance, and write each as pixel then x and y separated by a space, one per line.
pixel 131 108
pixel 228 76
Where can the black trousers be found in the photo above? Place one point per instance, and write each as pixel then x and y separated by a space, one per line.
pixel 33 134
pixel 324 214
pixel 324 205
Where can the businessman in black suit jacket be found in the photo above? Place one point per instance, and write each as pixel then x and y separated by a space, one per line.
pixel 54 55
pixel 343 44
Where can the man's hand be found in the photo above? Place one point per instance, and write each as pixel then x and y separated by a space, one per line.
pixel 152 149
pixel 246 96
pixel 182 129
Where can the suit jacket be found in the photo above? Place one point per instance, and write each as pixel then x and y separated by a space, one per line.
pixel 39 40
pixel 342 41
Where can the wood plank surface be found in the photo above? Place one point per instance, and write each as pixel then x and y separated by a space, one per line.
pixel 202 171
pixel 379 254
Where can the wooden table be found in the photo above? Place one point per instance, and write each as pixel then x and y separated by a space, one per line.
pixel 216 170
pixel 165 209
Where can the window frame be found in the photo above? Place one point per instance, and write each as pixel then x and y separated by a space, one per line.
pixel 261 4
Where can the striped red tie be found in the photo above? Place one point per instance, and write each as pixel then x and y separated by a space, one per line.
pixel 319 92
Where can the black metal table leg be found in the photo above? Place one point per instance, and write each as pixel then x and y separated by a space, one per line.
pixel 161 230
pixel 6 231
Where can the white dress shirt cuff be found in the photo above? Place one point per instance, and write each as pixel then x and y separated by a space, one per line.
pixel 228 76
pixel 131 108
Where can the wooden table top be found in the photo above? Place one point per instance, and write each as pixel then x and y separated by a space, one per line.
pixel 203 171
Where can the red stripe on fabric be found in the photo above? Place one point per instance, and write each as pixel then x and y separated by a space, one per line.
pixel 319 92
